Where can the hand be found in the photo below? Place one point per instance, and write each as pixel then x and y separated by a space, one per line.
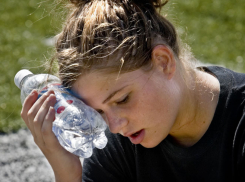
pixel 39 116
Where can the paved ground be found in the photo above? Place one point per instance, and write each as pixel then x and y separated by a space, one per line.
pixel 21 160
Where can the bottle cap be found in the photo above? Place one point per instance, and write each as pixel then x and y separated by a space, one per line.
pixel 20 75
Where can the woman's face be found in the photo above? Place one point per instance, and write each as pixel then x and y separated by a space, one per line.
pixel 139 105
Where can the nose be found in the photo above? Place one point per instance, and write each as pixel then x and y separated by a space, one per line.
pixel 115 121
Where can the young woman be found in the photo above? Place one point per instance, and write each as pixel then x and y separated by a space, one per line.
pixel 167 120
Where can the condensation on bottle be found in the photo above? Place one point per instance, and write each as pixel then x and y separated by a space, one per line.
pixel 78 127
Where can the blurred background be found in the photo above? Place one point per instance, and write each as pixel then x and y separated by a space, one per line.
pixel 213 29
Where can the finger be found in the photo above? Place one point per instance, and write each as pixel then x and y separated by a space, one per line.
pixel 49 137
pixel 34 109
pixel 40 117
pixel 28 103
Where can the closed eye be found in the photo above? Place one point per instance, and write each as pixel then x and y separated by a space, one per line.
pixel 100 111
pixel 124 100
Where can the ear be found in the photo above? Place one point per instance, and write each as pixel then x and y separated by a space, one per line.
pixel 163 59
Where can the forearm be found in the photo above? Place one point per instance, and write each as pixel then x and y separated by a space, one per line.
pixel 75 175
pixel 66 169
pixel 77 179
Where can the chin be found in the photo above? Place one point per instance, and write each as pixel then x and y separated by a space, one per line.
pixel 149 145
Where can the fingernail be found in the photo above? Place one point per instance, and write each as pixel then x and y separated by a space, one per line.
pixel 33 92
pixel 51 95
pixel 48 93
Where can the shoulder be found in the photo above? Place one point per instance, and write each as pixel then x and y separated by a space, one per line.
pixel 230 77
pixel 232 84
pixel 233 94
pixel 231 104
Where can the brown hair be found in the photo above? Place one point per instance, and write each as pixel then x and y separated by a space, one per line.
pixel 111 36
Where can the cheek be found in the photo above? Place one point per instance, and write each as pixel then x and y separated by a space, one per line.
pixel 158 108
pixel 144 108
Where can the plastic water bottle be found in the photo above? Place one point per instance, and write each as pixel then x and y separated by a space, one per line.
pixel 78 127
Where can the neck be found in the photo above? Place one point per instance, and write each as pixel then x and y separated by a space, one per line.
pixel 196 110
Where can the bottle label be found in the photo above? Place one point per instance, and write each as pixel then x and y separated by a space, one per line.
pixel 61 93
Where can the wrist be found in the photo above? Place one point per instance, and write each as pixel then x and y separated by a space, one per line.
pixel 66 168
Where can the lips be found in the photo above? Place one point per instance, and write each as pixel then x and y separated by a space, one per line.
pixel 137 137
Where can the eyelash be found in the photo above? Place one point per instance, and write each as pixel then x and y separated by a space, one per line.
pixel 124 100
pixel 100 111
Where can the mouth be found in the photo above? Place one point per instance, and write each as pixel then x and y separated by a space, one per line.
pixel 137 137
pixel 136 134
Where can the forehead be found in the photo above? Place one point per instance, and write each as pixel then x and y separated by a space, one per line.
pixel 92 82
pixel 96 85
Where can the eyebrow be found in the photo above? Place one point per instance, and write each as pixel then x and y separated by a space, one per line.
pixel 113 93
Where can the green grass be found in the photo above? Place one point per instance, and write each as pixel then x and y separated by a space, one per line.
pixel 24 27
pixel 214 29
